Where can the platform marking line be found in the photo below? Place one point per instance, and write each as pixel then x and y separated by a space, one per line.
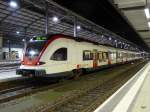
pixel 100 108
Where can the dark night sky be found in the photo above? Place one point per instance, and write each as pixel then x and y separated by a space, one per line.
pixel 103 13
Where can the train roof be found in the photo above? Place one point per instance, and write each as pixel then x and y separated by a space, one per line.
pixel 49 36
pixel 79 39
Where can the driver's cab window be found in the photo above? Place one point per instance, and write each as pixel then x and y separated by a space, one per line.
pixel 59 55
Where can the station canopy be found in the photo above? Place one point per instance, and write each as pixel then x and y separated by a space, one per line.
pixel 21 20
pixel 137 13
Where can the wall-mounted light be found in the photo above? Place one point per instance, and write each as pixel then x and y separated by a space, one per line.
pixel 13 4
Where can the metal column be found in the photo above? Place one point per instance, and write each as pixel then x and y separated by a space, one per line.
pixel 25 38
pixel 46 19
pixel 75 27
pixel 9 49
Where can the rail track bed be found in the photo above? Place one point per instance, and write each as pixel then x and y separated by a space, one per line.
pixel 13 82
pixel 27 87
pixel 89 98
pixel 88 101
pixel 70 96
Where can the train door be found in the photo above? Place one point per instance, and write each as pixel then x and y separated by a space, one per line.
pixel 95 58
pixel 109 57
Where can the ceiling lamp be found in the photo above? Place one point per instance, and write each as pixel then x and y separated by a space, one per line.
pixel 13 4
pixel 147 13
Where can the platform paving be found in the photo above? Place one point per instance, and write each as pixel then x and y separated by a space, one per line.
pixel 8 75
pixel 142 102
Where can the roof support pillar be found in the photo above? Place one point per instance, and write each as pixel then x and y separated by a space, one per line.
pixel 75 27
pixel 9 49
pixel 25 38
pixel 46 18
pixel 116 43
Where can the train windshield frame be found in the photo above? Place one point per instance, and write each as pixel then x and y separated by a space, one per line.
pixel 34 48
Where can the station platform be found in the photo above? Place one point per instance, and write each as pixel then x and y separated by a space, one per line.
pixel 6 75
pixel 8 69
pixel 133 96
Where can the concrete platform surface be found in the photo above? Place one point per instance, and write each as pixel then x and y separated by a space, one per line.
pixel 4 75
pixel 133 96
pixel 142 102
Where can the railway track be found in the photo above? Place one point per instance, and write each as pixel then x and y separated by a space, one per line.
pixel 12 93
pixel 14 83
pixel 87 101
pixel 25 89
pixel 83 101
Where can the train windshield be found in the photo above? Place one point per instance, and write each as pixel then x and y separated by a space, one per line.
pixel 34 48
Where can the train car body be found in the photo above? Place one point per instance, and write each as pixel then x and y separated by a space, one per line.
pixel 60 55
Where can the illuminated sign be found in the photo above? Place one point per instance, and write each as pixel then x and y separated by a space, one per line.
pixel 40 38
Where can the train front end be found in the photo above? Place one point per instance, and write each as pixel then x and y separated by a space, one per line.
pixel 31 64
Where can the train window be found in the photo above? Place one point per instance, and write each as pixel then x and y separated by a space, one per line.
pixel 87 55
pixel 112 55
pixel 34 48
pixel 105 56
pixel 60 55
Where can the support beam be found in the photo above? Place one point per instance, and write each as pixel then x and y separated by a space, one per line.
pixel 9 49
pixel 46 18
pixel 133 8
pixel 75 27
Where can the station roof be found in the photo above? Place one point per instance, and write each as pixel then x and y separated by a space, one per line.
pixel 134 11
pixel 104 13
pixel 28 20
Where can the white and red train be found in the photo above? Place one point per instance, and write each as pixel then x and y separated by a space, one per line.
pixel 62 55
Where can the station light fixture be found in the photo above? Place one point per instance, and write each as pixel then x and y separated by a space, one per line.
pixel 17 32
pixel 13 4
pixel 78 27
pixel 55 19
pixel 31 40
pixel 109 38
pixel 32 53
pixel 23 40
pixel 147 13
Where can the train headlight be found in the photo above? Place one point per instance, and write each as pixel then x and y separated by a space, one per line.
pixel 32 53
